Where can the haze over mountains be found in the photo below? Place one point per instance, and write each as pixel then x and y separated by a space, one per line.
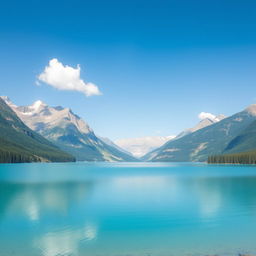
pixel 68 131
pixel 142 145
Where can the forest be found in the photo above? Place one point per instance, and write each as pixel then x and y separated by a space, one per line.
pixel 238 158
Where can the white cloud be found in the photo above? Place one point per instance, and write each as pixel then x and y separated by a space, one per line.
pixel 66 78
pixel 204 115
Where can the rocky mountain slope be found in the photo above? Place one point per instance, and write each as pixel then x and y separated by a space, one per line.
pixel 202 124
pixel 68 131
pixel 244 141
pixel 210 140
pixel 18 143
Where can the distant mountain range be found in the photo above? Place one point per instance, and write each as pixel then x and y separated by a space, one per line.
pixel 113 144
pixel 231 134
pixel 138 147
pixel 67 131
pixel 18 143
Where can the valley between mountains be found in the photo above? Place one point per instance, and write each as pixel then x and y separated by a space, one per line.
pixel 40 132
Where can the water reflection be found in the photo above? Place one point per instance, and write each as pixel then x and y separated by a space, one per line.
pixel 237 194
pixel 33 200
pixel 53 215
pixel 65 242
pixel 110 212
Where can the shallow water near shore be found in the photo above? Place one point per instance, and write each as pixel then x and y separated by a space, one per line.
pixel 127 209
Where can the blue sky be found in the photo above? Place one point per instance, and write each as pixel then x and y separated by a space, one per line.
pixel 158 63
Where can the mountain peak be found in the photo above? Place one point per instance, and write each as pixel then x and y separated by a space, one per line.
pixel 68 131
pixel 37 104
pixel 5 98
pixel 7 101
pixel 206 119
pixel 211 117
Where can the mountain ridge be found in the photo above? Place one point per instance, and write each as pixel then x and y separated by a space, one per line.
pixel 20 144
pixel 67 131
pixel 198 145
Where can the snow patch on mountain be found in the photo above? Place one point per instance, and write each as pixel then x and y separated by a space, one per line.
pixel 8 101
pixel 39 116
pixel 68 131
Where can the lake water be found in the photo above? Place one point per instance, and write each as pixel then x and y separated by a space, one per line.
pixel 127 209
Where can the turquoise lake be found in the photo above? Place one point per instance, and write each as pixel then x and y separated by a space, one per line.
pixel 127 209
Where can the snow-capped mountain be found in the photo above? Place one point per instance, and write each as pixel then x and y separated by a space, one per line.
pixel 68 131
pixel 18 143
pixel 42 118
pixel 142 145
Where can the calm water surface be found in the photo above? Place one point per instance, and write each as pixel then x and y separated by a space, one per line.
pixel 127 209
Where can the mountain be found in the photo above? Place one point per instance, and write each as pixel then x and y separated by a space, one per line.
pixel 210 140
pixel 18 143
pixel 142 145
pixel 244 141
pixel 112 144
pixel 202 124
pixel 240 150
pixel 68 131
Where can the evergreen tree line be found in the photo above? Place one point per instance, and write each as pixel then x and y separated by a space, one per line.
pixel 238 158
pixel 15 157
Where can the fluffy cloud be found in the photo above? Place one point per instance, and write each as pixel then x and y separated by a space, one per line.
pixel 204 115
pixel 66 78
